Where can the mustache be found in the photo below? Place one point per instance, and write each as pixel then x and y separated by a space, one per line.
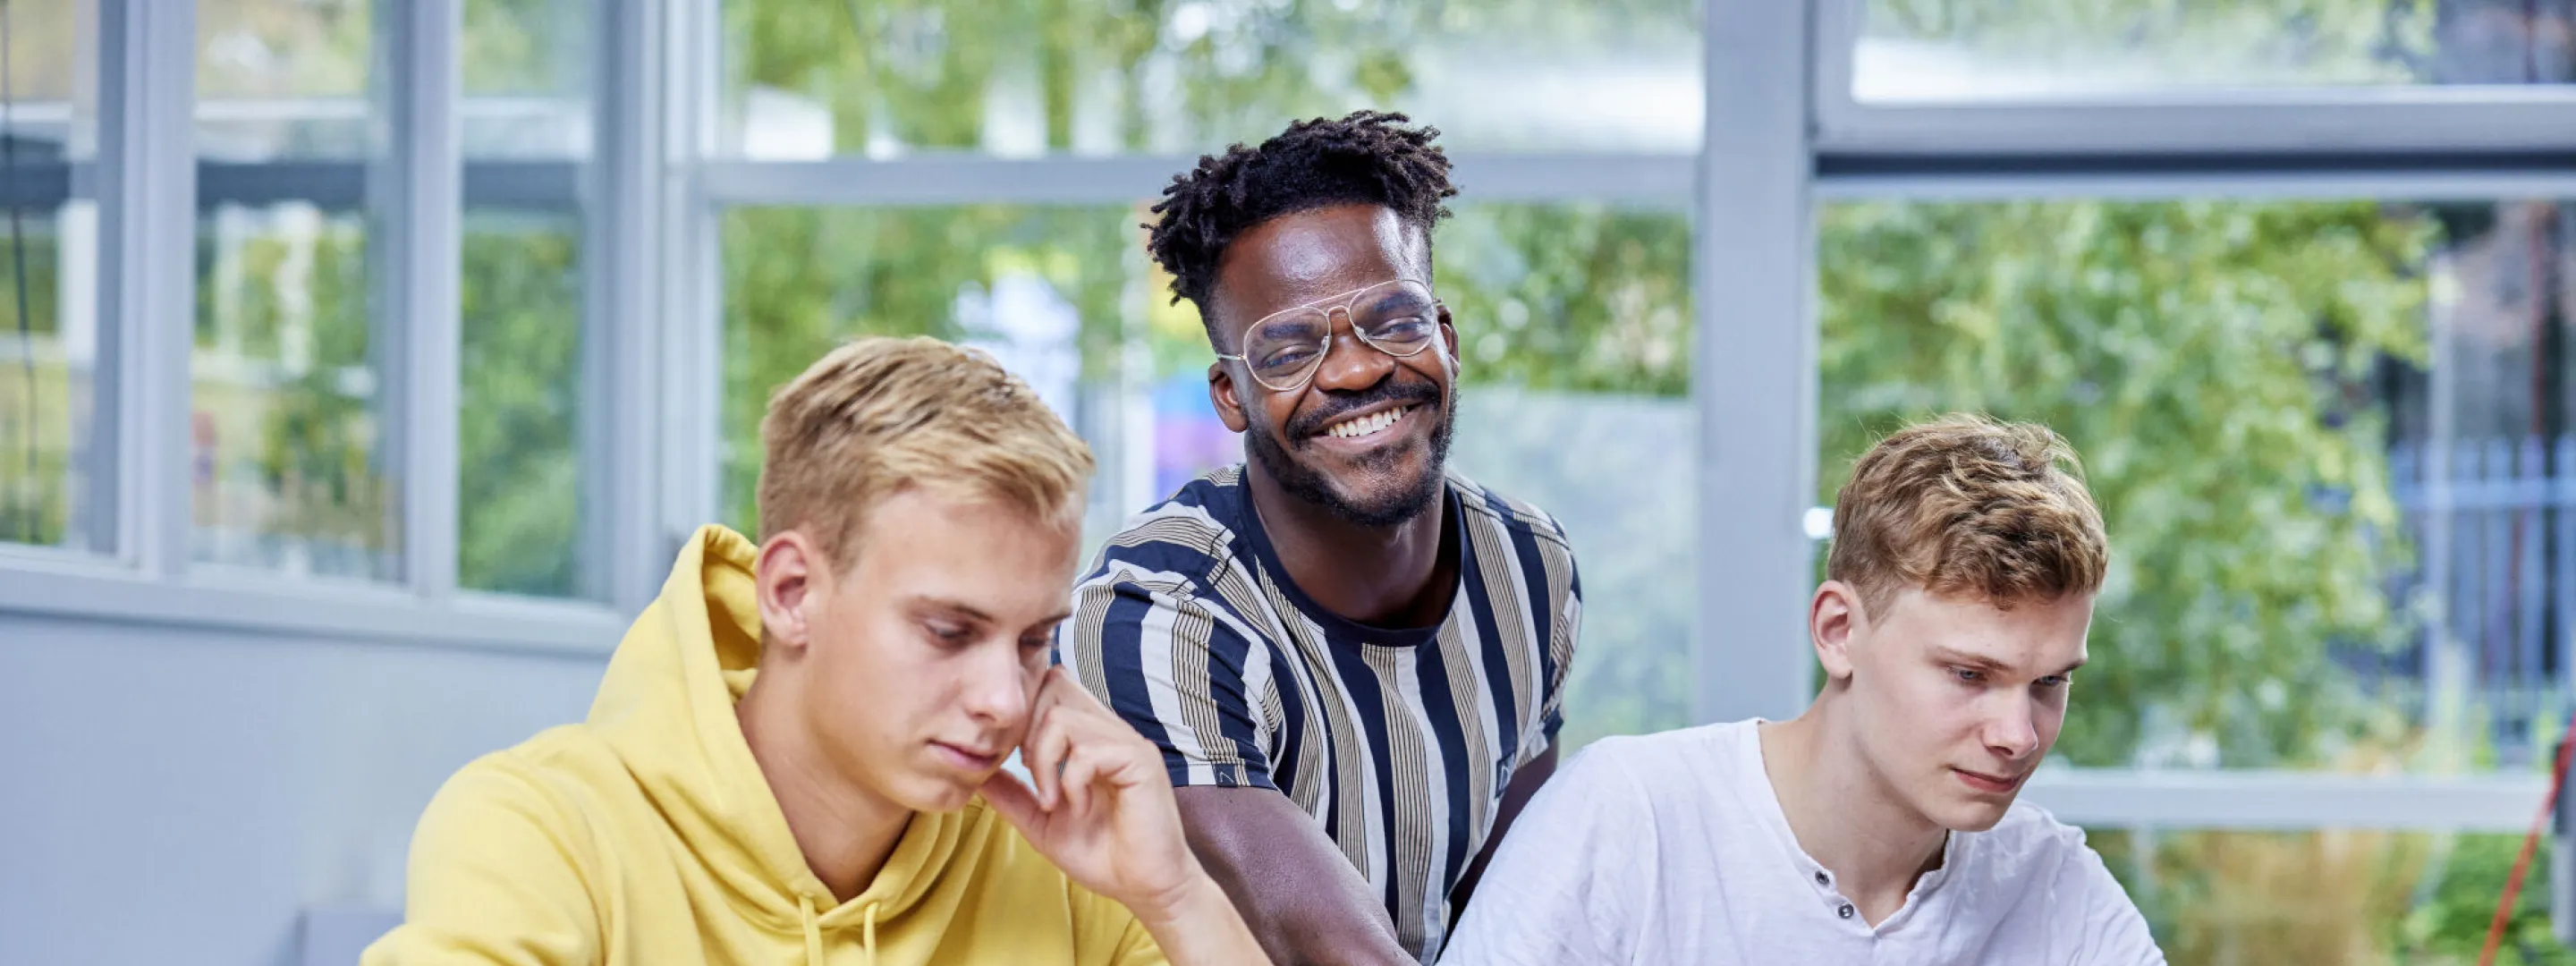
pixel 1416 391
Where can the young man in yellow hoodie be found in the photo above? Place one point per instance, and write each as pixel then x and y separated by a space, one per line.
pixel 784 761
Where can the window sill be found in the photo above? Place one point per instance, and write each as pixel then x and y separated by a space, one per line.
pixel 88 587
pixel 2284 800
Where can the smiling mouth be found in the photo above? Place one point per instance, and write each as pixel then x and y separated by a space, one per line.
pixel 1363 427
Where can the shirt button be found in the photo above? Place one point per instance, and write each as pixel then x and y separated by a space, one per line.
pixel 1845 911
pixel 1822 879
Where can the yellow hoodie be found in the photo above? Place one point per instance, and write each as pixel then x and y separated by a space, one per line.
pixel 647 835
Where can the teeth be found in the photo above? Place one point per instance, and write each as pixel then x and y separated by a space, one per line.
pixel 1368 424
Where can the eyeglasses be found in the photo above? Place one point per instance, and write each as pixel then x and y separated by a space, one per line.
pixel 1283 350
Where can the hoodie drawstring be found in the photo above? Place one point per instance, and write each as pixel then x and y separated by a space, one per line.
pixel 814 931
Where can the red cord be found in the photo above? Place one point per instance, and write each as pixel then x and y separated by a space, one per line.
pixel 2530 845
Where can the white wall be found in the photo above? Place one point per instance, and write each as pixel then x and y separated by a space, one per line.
pixel 172 795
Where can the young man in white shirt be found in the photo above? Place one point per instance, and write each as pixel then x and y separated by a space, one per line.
pixel 1879 826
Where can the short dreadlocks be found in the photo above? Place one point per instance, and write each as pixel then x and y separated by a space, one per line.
pixel 1365 158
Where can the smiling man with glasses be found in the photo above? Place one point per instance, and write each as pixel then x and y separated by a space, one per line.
pixel 1350 658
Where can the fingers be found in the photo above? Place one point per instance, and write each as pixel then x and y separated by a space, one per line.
pixel 1044 751
pixel 1075 798
pixel 1059 689
pixel 1075 744
pixel 1061 712
pixel 1018 805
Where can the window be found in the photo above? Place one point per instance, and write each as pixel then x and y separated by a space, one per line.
pixel 525 513
pixel 2329 440
pixel 2325 436
pixel 806 80
pixel 51 482
pixel 1042 288
pixel 1574 323
pixel 294 465
pixel 1968 50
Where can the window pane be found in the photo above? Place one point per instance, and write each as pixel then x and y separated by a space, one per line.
pixel 1949 50
pixel 293 455
pixel 1045 289
pixel 1574 323
pixel 523 506
pixel 2333 896
pixel 2330 440
pixel 49 283
pixel 1027 77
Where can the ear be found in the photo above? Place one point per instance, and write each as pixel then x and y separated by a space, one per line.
pixel 1833 617
pixel 1221 394
pixel 786 575
pixel 1448 341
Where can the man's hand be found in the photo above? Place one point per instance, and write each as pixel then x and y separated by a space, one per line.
pixel 1101 809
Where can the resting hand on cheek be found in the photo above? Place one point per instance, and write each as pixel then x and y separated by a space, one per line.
pixel 1100 807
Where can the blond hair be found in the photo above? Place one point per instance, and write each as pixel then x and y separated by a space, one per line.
pixel 881 414
pixel 1966 507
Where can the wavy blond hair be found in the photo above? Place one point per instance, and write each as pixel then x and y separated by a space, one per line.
pixel 881 414
pixel 1968 507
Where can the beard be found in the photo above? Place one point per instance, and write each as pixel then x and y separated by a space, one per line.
pixel 1394 504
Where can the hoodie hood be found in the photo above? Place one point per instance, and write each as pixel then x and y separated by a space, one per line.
pixel 666 708
pixel 647 836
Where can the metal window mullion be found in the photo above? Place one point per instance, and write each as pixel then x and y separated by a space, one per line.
pixel 147 307
pixel 697 248
pixel 691 309
pixel 1836 36
pixel 1754 375
pixel 421 281
pixel 600 212
pixel 693 369
pixel 2216 181
pixel 958 179
pixel 620 391
pixel 2501 122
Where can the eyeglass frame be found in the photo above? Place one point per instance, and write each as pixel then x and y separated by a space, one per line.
pixel 1325 350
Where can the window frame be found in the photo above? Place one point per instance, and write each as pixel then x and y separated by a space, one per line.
pixel 2316 122
pixel 147 171
pixel 1771 150
pixel 2428 143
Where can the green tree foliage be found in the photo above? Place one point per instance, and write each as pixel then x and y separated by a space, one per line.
pixel 286 385
pixel 2451 925
pixel 1188 75
pixel 2204 357
pixel 519 507
pixel 40 408
pixel 2183 42
pixel 800 281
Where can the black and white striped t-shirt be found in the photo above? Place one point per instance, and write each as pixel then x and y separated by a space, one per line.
pixel 1399 741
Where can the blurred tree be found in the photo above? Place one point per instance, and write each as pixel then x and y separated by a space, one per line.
pixel 2202 356
pixel 38 399
pixel 519 502
pixel 2184 42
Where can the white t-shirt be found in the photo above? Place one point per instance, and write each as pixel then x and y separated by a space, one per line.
pixel 1672 848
